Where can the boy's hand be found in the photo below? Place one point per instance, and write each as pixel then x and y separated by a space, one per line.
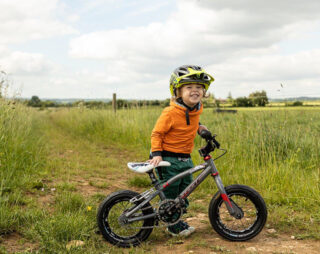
pixel 201 128
pixel 155 160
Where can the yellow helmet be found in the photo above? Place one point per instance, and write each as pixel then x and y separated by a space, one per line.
pixel 187 74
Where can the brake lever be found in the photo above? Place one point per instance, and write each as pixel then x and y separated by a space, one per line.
pixel 216 143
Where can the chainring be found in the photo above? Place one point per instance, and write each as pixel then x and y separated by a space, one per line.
pixel 169 211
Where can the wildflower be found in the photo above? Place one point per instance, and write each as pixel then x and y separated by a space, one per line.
pixel 89 208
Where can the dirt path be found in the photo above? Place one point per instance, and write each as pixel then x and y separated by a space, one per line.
pixel 96 168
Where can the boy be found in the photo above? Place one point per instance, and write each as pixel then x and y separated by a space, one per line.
pixel 172 138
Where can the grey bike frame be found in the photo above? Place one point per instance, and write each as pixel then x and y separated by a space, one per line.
pixel 208 168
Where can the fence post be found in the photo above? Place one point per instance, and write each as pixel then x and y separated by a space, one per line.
pixel 114 102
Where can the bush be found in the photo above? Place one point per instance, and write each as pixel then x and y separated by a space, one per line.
pixel 294 104
pixel 242 102
pixel 297 103
pixel 259 98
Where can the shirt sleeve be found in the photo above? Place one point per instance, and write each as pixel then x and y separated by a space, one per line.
pixel 163 125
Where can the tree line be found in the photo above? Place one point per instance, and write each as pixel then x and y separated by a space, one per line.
pixel 255 99
pixel 35 101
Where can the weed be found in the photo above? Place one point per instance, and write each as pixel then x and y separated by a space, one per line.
pixel 67 186
pixel 70 202
pixel 103 185
pixel 138 181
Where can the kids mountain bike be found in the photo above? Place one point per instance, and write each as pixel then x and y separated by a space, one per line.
pixel 236 212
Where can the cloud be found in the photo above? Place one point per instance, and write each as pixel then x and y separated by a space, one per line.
pixel 299 72
pixel 197 31
pixel 21 63
pixel 21 21
pixel 237 40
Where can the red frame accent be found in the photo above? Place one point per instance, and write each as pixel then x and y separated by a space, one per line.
pixel 215 174
pixel 208 157
pixel 226 198
pixel 165 185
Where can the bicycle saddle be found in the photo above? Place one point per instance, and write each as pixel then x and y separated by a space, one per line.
pixel 145 167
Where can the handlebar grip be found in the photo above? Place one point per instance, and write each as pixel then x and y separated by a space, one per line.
pixel 206 134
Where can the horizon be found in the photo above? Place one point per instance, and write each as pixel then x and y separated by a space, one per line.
pixel 131 99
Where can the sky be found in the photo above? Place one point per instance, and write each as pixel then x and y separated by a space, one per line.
pixel 94 48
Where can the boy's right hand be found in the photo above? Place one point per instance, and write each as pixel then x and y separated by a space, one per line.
pixel 155 160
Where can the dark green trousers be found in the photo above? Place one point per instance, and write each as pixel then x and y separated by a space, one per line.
pixel 178 165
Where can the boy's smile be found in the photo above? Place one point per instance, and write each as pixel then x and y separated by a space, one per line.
pixel 191 94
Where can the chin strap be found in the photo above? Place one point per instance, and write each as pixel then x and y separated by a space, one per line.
pixel 187 117
pixel 188 109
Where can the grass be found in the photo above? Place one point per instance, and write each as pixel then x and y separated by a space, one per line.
pixel 138 181
pixel 56 167
pixel 22 162
pixel 275 151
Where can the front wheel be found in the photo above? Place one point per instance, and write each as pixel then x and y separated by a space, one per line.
pixel 254 213
pixel 117 233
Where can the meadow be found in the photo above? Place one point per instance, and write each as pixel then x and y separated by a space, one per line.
pixel 57 165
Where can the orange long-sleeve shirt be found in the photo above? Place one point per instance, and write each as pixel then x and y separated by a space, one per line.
pixel 171 132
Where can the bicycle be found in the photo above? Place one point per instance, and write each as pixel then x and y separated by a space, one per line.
pixel 127 218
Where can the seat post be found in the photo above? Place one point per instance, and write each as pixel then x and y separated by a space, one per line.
pixel 157 184
pixel 153 178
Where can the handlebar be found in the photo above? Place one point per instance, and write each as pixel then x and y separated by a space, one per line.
pixel 205 134
pixel 211 145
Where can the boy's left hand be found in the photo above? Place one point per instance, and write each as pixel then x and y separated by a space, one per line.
pixel 155 160
pixel 201 128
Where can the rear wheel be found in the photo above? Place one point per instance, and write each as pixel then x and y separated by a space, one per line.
pixel 254 213
pixel 117 233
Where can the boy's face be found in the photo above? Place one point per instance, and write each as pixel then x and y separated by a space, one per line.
pixel 191 94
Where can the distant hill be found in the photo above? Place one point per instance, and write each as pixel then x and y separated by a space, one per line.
pixel 71 100
pixel 296 99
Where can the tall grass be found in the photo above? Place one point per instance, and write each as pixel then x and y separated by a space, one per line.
pixel 275 151
pixel 129 127
pixel 21 155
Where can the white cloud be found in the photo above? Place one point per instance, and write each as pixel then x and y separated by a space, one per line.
pixel 237 40
pixel 298 72
pixel 21 63
pixel 28 20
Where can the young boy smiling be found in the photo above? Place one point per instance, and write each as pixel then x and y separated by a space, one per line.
pixel 172 138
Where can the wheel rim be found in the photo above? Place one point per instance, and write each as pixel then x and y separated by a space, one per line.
pixel 238 226
pixel 113 225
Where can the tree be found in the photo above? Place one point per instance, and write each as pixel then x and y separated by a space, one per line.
pixel 242 102
pixel 208 100
pixel 229 98
pixel 34 101
pixel 259 98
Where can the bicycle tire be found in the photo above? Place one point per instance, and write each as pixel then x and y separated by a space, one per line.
pixel 229 227
pixel 112 230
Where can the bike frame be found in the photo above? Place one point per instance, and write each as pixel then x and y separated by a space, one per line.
pixel 208 168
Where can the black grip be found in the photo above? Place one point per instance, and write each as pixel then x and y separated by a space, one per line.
pixel 206 134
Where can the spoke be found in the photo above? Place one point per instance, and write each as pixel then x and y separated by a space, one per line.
pixel 124 205
pixel 123 230
pixel 238 225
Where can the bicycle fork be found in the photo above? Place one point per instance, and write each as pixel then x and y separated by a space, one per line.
pixel 232 207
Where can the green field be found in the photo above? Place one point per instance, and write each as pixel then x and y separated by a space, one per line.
pixel 57 165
